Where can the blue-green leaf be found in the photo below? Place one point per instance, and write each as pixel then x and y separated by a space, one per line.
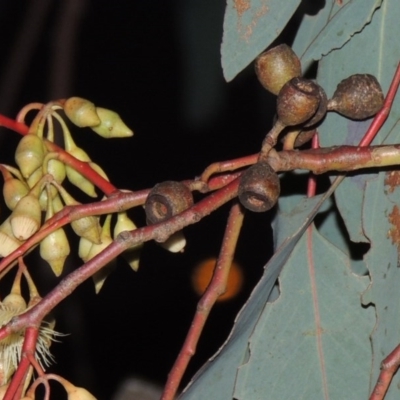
pixel 250 27
pixel 330 29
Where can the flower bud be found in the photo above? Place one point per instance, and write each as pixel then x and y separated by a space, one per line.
pixel 26 217
pixel 13 191
pixel 8 242
pixel 77 178
pixel 124 223
pixel 29 154
pixel 54 248
pixel 111 125
pixel 87 227
pixel 80 393
pixel 100 276
pixel 175 243
pixel 81 112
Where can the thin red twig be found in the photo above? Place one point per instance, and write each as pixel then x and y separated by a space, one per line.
pixel 216 287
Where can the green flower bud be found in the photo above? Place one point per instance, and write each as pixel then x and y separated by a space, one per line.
pixel 26 217
pixel 29 154
pixel 54 248
pixel 87 227
pixel 81 112
pixel 111 125
pixel 13 191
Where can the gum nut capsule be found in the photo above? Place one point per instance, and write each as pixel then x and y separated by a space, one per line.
pixel 259 188
pixel 26 217
pixel 111 125
pixel 29 154
pixel 321 110
pixel 297 101
pixel 277 66
pixel 358 97
pixel 167 199
pixel 81 112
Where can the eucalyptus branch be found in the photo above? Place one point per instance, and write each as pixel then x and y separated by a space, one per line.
pixel 159 232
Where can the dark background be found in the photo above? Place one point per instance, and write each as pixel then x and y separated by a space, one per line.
pixel 157 63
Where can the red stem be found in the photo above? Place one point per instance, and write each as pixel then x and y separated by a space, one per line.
pixel 14 391
pixel 215 289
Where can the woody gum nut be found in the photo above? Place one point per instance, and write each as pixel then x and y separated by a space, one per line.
pixel 166 200
pixel 297 101
pixel 277 66
pixel 259 188
pixel 358 97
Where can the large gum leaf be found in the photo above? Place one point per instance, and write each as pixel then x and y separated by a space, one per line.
pixel 316 333
pixel 216 380
pixel 381 223
pixel 335 24
pixel 250 27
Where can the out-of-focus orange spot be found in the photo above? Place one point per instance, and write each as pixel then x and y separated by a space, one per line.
pixel 203 273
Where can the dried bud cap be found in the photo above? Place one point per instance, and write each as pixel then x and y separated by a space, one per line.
pixel 26 217
pixel 111 125
pixel 29 154
pixel 297 101
pixel 358 97
pixel 259 188
pixel 81 112
pixel 277 66
pixel 8 242
pixel 13 191
pixel 167 199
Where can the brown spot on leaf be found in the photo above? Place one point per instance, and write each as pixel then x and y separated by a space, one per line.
pixel 392 180
pixel 394 231
pixel 241 6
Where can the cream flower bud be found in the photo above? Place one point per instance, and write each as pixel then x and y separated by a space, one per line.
pixel 175 243
pixel 81 112
pixel 29 154
pixel 111 125
pixel 124 223
pixel 8 242
pixel 26 217
pixel 105 237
